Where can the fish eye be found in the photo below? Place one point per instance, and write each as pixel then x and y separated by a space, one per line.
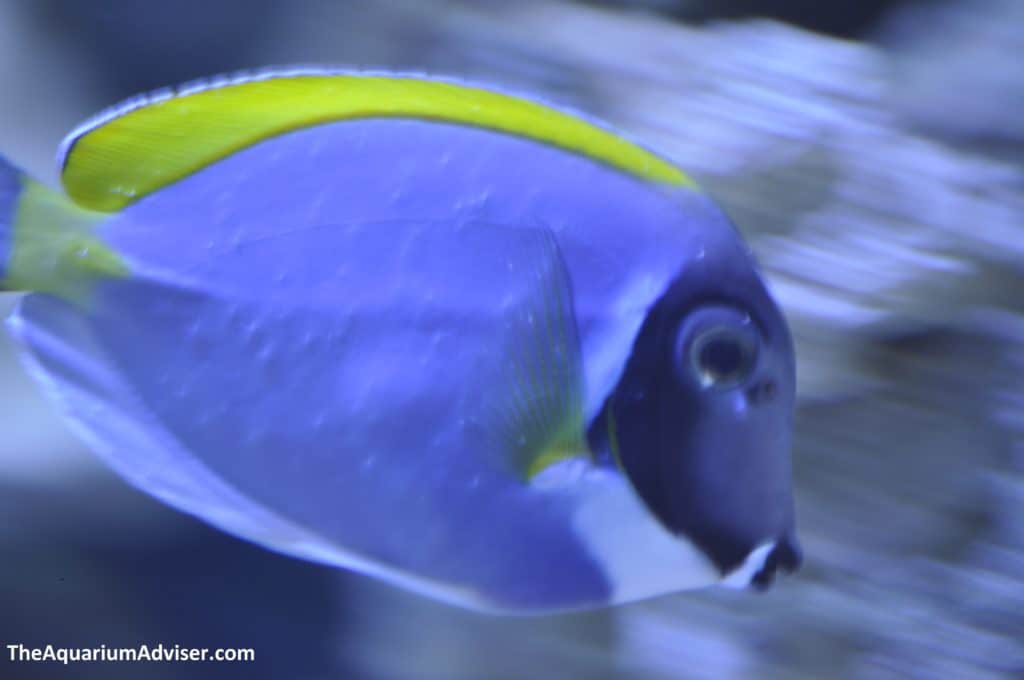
pixel 717 347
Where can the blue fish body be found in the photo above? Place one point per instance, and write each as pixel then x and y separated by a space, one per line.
pixel 397 344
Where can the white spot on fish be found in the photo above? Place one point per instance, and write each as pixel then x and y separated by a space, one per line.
pixel 265 353
pixel 193 330
pixel 251 333
pixel 254 435
pixel 232 315
pixel 122 190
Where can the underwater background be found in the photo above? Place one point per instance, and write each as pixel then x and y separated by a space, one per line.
pixel 873 155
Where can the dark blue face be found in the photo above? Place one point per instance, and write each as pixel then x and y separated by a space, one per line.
pixel 702 415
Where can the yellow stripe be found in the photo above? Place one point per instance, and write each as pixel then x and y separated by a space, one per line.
pixel 157 140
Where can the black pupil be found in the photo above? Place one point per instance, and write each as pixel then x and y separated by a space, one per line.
pixel 721 358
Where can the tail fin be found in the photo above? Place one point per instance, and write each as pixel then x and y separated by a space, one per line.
pixel 47 243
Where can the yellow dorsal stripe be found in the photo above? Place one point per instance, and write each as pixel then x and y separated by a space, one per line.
pixel 156 140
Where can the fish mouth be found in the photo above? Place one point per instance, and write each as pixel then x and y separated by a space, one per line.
pixel 763 562
pixel 785 555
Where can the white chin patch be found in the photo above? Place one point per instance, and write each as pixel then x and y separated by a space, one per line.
pixel 740 577
pixel 639 557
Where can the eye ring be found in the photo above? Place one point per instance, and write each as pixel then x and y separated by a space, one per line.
pixel 721 357
pixel 718 347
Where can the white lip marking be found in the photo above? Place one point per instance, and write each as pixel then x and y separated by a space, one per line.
pixel 740 576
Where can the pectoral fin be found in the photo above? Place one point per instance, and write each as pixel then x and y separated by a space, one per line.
pixel 537 405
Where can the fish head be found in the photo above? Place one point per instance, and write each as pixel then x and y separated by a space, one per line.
pixel 701 418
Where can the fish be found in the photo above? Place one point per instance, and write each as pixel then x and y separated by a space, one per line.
pixel 451 337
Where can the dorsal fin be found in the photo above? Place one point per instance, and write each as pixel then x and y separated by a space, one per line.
pixel 154 140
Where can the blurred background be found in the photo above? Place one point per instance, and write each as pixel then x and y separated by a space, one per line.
pixel 873 154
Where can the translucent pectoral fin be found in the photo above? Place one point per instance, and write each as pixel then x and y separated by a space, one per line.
pixel 535 406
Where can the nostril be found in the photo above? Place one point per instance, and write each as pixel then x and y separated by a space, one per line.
pixel 763 579
pixel 786 555
pixel 763 391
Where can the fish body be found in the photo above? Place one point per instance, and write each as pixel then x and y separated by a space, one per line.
pixel 451 338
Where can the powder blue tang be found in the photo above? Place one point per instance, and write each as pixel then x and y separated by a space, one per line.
pixel 475 362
